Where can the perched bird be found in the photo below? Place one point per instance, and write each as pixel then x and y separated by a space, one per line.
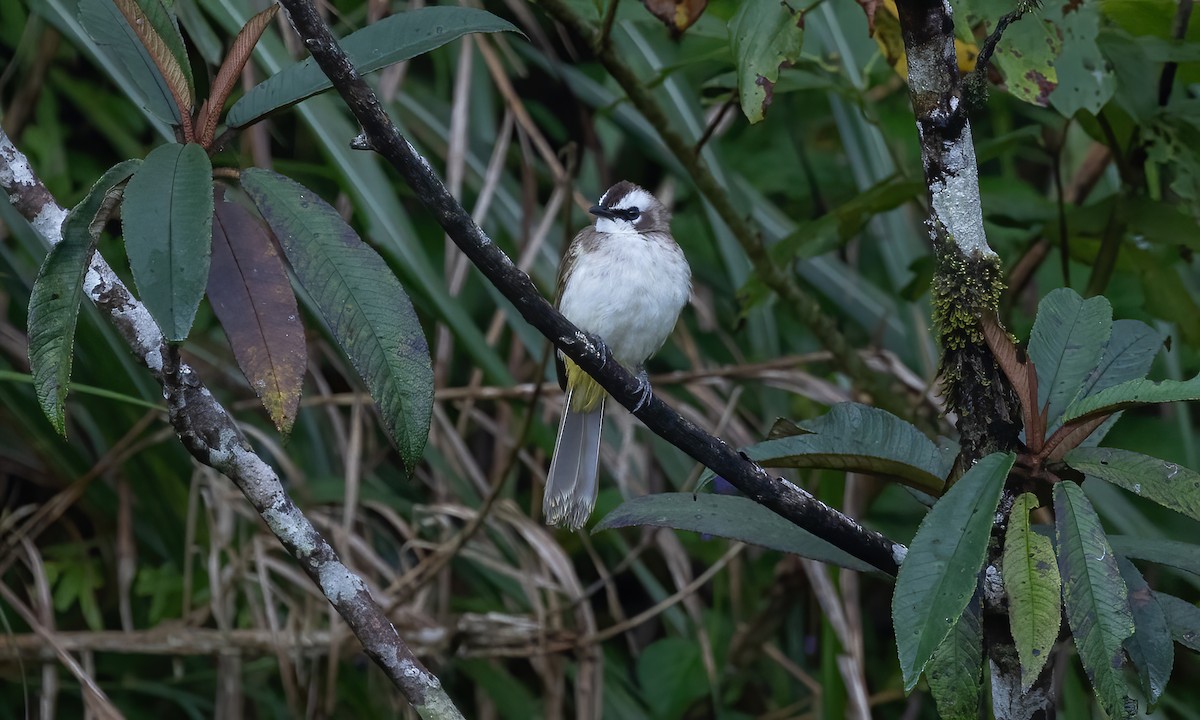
pixel 625 280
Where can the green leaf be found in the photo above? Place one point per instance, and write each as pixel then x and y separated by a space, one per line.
pixel 1033 586
pixel 1085 81
pixel 58 291
pixel 114 36
pixel 1166 483
pixel 1066 343
pixel 764 34
pixel 955 672
pixel 671 675
pixel 1172 553
pixel 252 296
pixel 1095 597
pixel 859 438
pixel 1127 356
pixel 1183 618
pixel 156 30
pixel 367 310
pixel 1132 394
pixel 940 572
pixel 729 516
pixel 1150 647
pixel 393 39
pixel 1029 49
pixel 167 218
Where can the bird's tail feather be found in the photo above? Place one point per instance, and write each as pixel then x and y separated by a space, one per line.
pixel 571 484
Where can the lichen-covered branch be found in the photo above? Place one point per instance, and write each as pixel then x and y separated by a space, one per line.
pixel 968 280
pixel 213 438
pixel 381 135
pixel 967 285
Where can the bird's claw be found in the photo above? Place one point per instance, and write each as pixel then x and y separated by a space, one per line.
pixel 644 390
pixel 601 349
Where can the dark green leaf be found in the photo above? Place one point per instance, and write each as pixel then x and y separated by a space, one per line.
pixel 252 296
pixel 1034 588
pixel 860 438
pixel 1127 356
pixel 1085 81
pixel 939 575
pixel 1095 597
pixel 1132 394
pixel 156 29
pixel 58 291
pixel 1166 483
pixel 1066 343
pixel 764 35
pixel 1172 553
pixel 113 34
pixel 729 516
pixel 1183 618
pixel 671 675
pixel 167 218
pixel 393 39
pixel 1150 647
pixel 955 672
pixel 362 301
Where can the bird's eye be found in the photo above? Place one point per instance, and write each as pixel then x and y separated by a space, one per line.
pixel 633 213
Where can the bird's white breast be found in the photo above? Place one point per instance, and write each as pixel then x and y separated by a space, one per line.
pixel 629 290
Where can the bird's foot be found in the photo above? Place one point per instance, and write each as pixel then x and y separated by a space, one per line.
pixel 598 345
pixel 644 389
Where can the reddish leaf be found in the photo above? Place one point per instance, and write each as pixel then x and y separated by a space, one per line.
pixel 1020 374
pixel 252 296
pixel 676 14
pixel 231 69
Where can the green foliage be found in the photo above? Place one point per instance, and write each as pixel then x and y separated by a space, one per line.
pixel 58 291
pixel 1033 585
pixel 735 518
pixel 940 572
pixel 763 35
pixel 167 219
pixel 367 310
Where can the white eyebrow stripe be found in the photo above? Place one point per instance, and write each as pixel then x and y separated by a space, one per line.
pixel 637 198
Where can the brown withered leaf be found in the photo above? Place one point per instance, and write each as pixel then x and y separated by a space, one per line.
pixel 678 15
pixel 166 50
pixel 251 295
pixel 1021 373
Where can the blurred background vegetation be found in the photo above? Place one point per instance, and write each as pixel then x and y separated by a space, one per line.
pixel 155 572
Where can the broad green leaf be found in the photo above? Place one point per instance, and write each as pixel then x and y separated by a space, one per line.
pixel 1172 553
pixel 156 29
pixel 955 672
pixel 1166 483
pixel 729 516
pixel 1033 586
pixel 1150 648
pixel 1132 394
pixel 114 36
pixel 1029 49
pixel 1095 597
pixel 1127 356
pixel 58 291
pixel 671 675
pixel 1066 343
pixel 393 39
pixel 167 219
pixel 859 438
pixel 940 572
pixel 1085 81
pixel 1183 618
pixel 367 310
pixel 252 296
pixel 764 35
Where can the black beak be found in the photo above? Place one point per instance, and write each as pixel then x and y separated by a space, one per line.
pixel 601 212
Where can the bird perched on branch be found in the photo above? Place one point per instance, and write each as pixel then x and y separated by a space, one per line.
pixel 625 280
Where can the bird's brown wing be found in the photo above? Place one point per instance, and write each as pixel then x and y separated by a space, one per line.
pixel 584 240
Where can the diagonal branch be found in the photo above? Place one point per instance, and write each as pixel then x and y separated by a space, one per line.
pixel 212 437
pixel 380 134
